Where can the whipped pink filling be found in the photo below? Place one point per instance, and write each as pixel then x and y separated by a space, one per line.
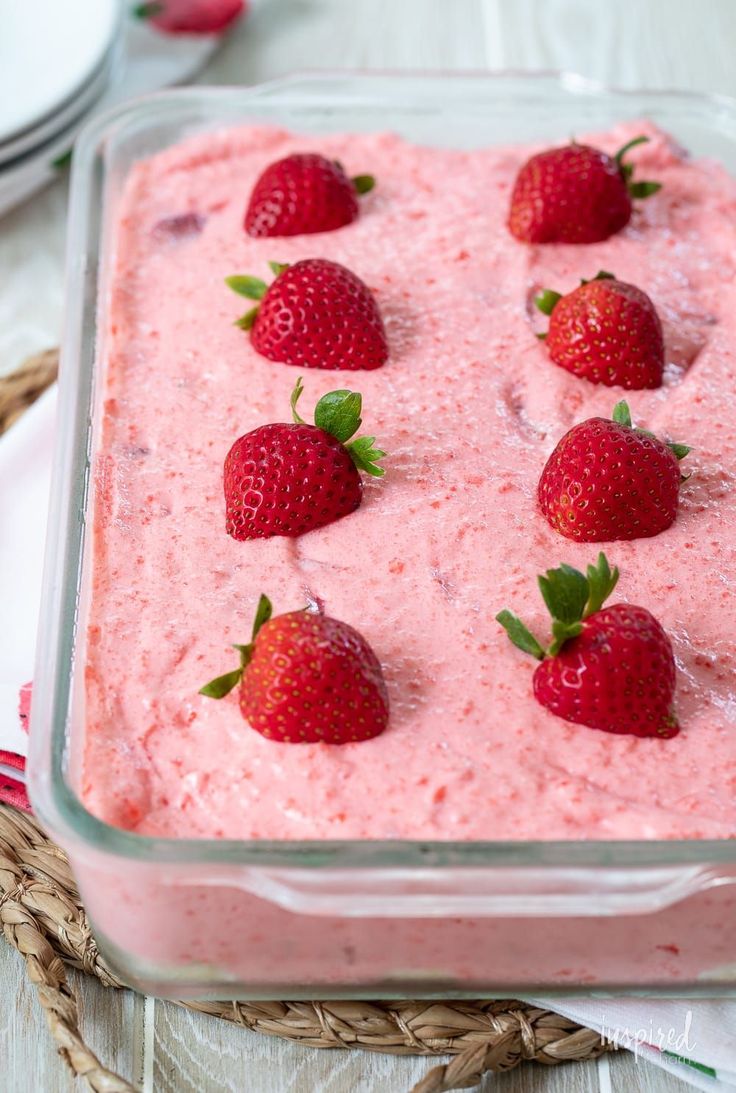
pixel 469 407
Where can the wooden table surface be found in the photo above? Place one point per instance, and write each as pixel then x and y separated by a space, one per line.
pixel 647 43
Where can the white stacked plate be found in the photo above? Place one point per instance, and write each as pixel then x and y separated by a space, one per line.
pixel 63 60
pixel 56 63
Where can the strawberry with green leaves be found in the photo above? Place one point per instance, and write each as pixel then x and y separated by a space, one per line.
pixel 608 480
pixel 575 194
pixel 605 331
pixel 316 314
pixel 305 678
pixel 288 479
pixel 609 668
pixel 302 194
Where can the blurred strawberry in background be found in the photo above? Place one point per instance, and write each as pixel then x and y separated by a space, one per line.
pixel 191 16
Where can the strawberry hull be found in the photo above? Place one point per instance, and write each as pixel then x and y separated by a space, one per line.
pixel 287 479
pixel 605 482
pixel 573 194
pixel 617 676
pixel 318 314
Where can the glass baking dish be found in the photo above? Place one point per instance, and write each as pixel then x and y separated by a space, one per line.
pixel 348 919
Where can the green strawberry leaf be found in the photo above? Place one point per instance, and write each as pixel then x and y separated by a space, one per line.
pixel 365 456
pixel 147 11
pixel 223 685
pixel 518 633
pixel 622 414
pixel 264 611
pixel 565 592
pixel 62 161
pixel 562 632
pixel 601 583
pixel 363 183
pixel 296 394
pixel 644 189
pixel 570 597
pixel 338 413
pixel 252 287
pixel 636 189
pixel 245 322
pixel 547 301
pixel 278 267
pixel 627 148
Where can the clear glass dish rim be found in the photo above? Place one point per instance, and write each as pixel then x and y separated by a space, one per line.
pixel 55 802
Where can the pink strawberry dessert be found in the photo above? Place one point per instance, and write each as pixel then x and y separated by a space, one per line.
pixel 471 409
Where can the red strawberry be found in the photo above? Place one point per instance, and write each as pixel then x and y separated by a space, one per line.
pixel 607 480
pixel 608 668
pixel 605 331
pixel 191 16
pixel 290 479
pixel 302 194
pixel 307 679
pixel 316 314
pixel 575 194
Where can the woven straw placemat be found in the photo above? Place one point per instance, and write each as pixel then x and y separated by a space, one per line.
pixel 42 918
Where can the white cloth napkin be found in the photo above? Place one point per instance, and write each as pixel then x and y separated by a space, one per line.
pixel 694 1040
pixel 25 471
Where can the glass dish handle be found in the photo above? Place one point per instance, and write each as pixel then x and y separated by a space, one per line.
pixel 469 893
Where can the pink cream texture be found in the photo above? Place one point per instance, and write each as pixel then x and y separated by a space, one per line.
pixel 469 406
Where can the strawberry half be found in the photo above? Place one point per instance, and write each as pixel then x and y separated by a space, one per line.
pixel 316 314
pixel 307 679
pixel 605 331
pixel 303 194
pixel 191 16
pixel 290 479
pixel 607 668
pixel 575 194
pixel 607 480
